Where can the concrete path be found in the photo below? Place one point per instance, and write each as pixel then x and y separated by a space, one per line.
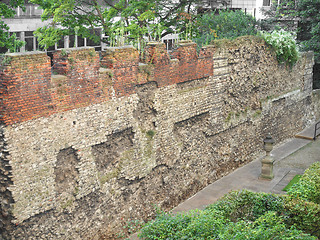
pixel 291 158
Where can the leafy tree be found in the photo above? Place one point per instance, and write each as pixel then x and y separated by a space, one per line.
pixel 224 24
pixel 308 12
pixel 139 18
pixel 7 11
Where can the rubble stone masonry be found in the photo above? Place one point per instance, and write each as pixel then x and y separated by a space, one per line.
pixel 96 141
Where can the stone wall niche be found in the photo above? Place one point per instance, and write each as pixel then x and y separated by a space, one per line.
pixel 66 177
pixel 110 155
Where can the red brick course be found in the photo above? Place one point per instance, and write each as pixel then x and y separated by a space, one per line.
pixel 30 89
pixel 25 87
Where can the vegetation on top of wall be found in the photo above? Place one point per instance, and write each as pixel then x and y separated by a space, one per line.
pixel 248 215
pixel 284 45
pixel 286 12
pixel 238 42
pixel 223 24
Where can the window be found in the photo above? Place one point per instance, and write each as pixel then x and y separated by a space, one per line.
pixel 266 3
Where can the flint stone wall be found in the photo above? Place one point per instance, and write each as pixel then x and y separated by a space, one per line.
pixel 92 164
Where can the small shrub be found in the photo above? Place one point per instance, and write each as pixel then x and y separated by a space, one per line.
pixel 5 60
pixel 64 53
pixel 150 134
pixel 284 46
pixel 308 187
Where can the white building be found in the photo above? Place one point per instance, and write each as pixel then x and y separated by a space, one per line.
pixel 26 22
pixel 252 7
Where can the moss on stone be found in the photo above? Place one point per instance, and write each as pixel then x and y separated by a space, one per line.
pixel 238 42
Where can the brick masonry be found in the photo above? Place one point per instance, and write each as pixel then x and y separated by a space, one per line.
pixel 99 143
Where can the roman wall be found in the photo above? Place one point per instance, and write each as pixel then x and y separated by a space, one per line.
pixel 93 142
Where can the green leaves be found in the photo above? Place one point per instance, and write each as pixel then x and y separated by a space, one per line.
pixel 48 36
pixel 308 187
pixel 226 25
pixel 308 14
pixel 7 11
pixel 284 46
pixel 68 17
pixel 243 215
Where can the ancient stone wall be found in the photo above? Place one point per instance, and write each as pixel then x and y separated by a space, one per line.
pixel 120 139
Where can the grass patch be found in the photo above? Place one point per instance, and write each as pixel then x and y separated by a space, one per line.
pixel 294 180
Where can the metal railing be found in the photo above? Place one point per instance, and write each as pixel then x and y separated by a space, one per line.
pixel 316 127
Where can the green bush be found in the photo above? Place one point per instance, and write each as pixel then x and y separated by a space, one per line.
pixel 249 206
pixel 166 226
pixel 206 225
pixel 303 215
pixel 240 215
pixel 284 46
pixel 248 215
pixel 267 226
pixel 224 24
pixel 308 187
pixel 244 204
pixel 210 224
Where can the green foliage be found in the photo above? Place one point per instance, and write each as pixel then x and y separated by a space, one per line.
pixel 167 226
pixel 70 17
pixel 212 224
pixel 303 215
pixel 244 204
pixel 132 226
pixel 268 226
pixel 225 25
pixel 150 134
pixel 123 21
pixel 284 46
pixel 308 187
pixel 241 215
pixel 205 225
pixel 7 11
pixel 5 60
pixel 309 13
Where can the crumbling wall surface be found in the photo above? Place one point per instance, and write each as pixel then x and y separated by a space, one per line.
pixel 86 172
pixel 258 89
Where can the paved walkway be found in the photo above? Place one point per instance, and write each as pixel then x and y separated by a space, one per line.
pixel 291 158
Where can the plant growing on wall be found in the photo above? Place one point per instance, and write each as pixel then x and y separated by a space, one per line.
pixel 284 46
pixel 306 13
